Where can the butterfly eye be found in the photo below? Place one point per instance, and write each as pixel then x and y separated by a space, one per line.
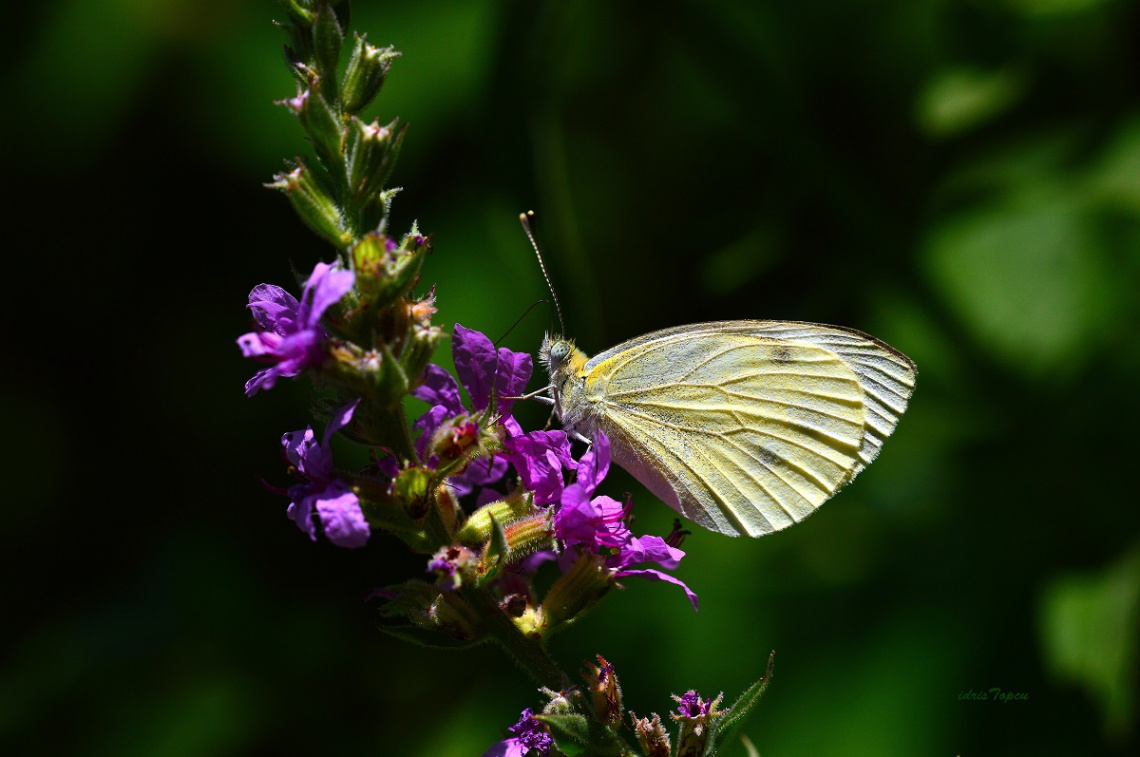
pixel 559 351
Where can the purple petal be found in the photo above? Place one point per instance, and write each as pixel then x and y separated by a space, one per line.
pixel 301 509
pixel 258 343
pixel 647 549
pixel 304 454
pixel 487 496
pixel 264 379
pixel 593 523
pixel 339 420
pixel 428 423
pixel 342 517
pixel 530 563
pixel 273 308
pixel 594 464
pixel 326 285
pixel 656 575
pixel 507 748
pixel 539 457
pixel 480 472
pixel 389 466
pixel 511 378
pixel 439 388
pixel 476 363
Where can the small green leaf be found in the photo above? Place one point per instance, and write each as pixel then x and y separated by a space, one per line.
pixel 734 716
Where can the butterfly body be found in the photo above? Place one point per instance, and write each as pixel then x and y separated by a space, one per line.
pixel 743 427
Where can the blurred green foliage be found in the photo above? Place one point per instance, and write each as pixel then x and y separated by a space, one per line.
pixel 959 178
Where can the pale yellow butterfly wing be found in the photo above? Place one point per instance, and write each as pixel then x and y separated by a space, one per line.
pixel 747 426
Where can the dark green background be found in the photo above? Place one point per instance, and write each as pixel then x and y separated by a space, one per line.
pixel 961 179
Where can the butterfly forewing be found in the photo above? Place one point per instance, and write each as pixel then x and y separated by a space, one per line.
pixel 746 426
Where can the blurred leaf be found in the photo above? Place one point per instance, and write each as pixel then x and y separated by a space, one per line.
pixel 959 99
pixel 1116 176
pixel 1026 157
pixel 1089 627
pixel 1028 278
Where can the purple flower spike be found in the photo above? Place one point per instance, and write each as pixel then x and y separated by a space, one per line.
pixel 528 737
pixel 337 507
pixel 292 338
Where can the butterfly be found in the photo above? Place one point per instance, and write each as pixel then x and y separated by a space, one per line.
pixel 743 427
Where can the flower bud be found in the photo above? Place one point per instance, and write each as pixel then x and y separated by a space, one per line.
pixel 574 592
pixel 319 121
pixel 367 68
pixel 695 716
pixel 411 488
pixel 651 736
pixel 560 703
pixel 312 203
pixel 385 270
pixel 605 692
pixel 419 347
pixel 388 380
pixel 455 566
pixel 477 530
pixel 327 39
pixel 373 154
pixel 300 12
pixel 512 542
pixel 441 616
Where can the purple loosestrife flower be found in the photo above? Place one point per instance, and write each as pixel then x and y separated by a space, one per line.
pixel 539 458
pixel 322 492
pixel 696 716
pixel 597 524
pixel 484 371
pixel 528 737
pixel 291 337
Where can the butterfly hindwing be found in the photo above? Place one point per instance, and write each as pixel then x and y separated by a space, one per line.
pixel 747 426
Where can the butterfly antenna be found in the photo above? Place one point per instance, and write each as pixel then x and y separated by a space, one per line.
pixel 519 320
pixel 527 220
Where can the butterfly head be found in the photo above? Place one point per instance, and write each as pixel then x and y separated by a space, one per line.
pixel 559 355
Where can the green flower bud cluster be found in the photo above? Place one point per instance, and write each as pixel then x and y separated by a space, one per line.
pixel 342 195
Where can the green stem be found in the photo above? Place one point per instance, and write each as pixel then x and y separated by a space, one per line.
pixel 528 652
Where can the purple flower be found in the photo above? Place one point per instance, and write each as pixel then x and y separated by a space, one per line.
pixel 449 564
pixel 528 737
pixel 482 369
pixel 696 715
pixel 291 337
pixel 597 524
pixel 539 457
pixel 322 492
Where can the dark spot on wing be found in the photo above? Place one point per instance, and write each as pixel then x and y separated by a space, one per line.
pixel 781 354
pixel 768 457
